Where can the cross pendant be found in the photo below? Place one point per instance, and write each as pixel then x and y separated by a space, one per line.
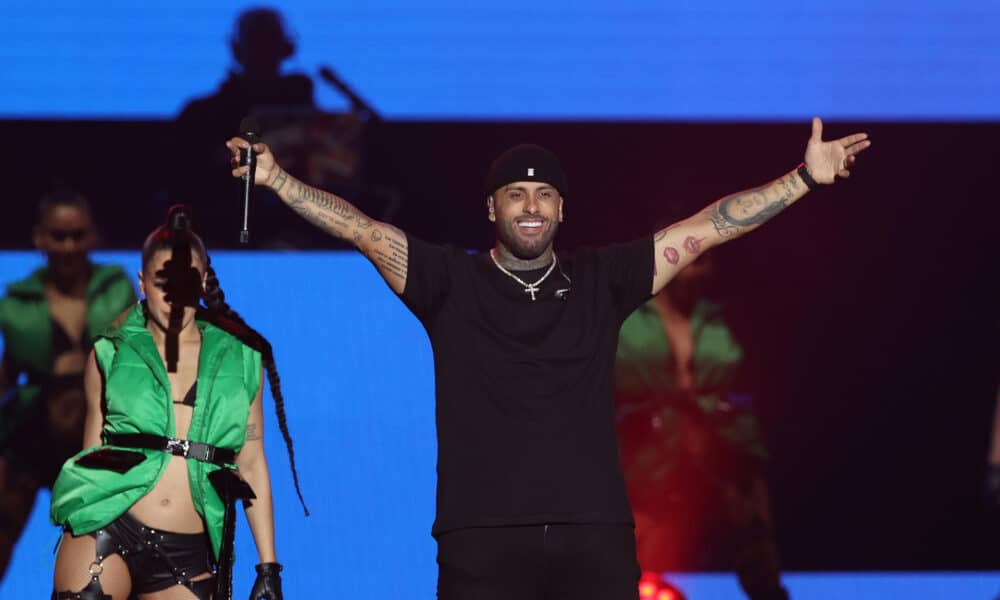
pixel 531 289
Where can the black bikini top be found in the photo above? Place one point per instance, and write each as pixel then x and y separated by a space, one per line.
pixel 189 396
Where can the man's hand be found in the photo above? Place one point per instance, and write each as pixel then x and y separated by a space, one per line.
pixel 827 160
pixel 267 167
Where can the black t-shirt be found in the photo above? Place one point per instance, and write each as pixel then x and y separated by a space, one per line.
pixel 525 416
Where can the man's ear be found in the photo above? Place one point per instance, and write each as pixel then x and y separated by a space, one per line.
pixel 491 209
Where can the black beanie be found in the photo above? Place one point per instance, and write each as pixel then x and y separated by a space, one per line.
pixel 526 162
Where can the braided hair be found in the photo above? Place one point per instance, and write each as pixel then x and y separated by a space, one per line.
pixel 223 316
pixel 219 313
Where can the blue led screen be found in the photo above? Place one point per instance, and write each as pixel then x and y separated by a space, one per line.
pixel 525 59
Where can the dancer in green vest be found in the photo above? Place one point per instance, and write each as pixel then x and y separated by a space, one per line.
pixel 48 321
pixel 147 506
pixel 689 444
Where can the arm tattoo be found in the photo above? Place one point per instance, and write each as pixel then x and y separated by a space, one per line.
pixel 279 181
pixel 692 245
pixel 662 233
pixel 322 209
pixel 748 209
pixel 337 216
pixel 326 201
pixel 390 255
pixel 672 255
pixel 252 435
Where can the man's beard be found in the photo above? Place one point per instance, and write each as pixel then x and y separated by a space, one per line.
pixel 521 248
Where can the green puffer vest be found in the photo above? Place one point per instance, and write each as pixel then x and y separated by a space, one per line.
pixel 138 400
pixel 27 324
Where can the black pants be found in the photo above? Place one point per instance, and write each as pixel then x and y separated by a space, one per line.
pixel 538 562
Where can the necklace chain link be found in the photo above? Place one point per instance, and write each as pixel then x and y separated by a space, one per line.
pixel 529 288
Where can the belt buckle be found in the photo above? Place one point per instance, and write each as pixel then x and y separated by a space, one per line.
pixel 178 447
pixel 200 451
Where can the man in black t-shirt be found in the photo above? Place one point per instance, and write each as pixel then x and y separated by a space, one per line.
pixel 531 502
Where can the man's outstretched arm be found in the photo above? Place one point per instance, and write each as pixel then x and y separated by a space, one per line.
pixel 675 246
pixel 383 244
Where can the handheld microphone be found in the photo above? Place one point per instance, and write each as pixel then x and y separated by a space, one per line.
pixel 248 131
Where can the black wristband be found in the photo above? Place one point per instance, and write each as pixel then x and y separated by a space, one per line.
pixel 271 568
pixel 806 177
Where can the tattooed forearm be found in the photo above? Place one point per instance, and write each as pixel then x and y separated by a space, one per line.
pixel 742 211
pixel 789 185
pixel 252 435
pixel 383 244
pixel 279 182
pixel 326 201
pixel 323 209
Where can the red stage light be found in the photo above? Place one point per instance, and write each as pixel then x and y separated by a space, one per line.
pixel 649 584
pixel 653 587
pixel 666 594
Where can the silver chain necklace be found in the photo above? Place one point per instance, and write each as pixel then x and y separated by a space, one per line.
pixel 529 288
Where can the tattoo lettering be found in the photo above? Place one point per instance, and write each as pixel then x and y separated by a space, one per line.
pixel 325 210
pixel 252 435
pixel 280 180
pixel 364 222
pixel 389 263
pixel 692 245
pixel 786 185
pixel 357 236
pixel 794 182
pixel 332 222
pixel 326 201
pixel 672 255
pixel 391 255
pixel 723 227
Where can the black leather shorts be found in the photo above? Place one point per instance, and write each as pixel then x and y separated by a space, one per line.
pixel 156 559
